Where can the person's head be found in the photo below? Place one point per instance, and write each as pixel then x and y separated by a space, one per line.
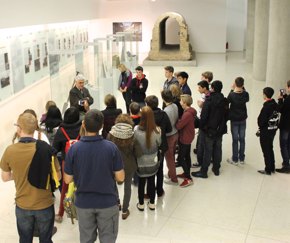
pixel 268 92
pixel 207 76
pixel 122 132
pixel 185 101
pixel 110 101
pixel 139 71
pixel 147 122
pixel 80 81
pixel 122 67
pixel 169 70
pixel 203 86
pixel 26 124
pixel 217 86
pixel 49 104
pixel 152 101
pixel 175 90
pixel 93 121
pixel 182 78
pixel 32 112
pixel 239 82
pixel 71 115
pixel 167 96
pixel 53 113
pixel 134 108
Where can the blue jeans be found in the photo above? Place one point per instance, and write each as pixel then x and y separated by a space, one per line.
pixel 44 219
pixel 285 146
pixel 238 129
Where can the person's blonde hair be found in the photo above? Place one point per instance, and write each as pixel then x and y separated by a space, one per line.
pixel 49 104
pixel 175 90
pixel 187 99
pixel 27 122
pixel 122 67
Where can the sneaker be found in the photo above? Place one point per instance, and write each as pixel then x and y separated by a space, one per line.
pixel 125 214
pixel 186 182
pixel 171 182
pixel 242 162
pixel 284 169
pixel 161 195
pixel 140 207
pixel 230 161
pixel 182 175
pixel 58 218
pixel 151 206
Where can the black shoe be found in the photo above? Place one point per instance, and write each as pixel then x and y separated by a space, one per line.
pixel 195 151
pixel 264 172
pixel 216 172
pixel 54 230
pixel 199 174
pixel 285 170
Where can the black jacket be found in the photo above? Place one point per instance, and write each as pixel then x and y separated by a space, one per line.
pixel 214 115
pixel 238 108
pixel 75 95
pixel 284 108
pixel 60 140
pixel 110 115
pixel 162 121
pixel 139 88
pixel 267 110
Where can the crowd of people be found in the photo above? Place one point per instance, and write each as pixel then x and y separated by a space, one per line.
pixel 99 149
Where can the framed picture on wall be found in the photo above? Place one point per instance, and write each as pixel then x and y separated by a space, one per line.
pixel 135 27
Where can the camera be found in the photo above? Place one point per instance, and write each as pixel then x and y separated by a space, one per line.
pixel 81 102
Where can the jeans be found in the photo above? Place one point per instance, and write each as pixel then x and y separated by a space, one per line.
pixel 285 146
pixel 127 98
pixel 104 221
pixel 238 129
pixel 127 190
pixel 26 219
pixel 159 175
pixel 150 188
pixel 170 156
pixel 200 146
pixel 212 149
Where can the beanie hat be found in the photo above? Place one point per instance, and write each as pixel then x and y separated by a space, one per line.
pixel 122 131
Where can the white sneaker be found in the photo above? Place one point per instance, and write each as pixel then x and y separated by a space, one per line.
pixel 151 206
pixel 242 162
pixel 230 161
pixel 170 182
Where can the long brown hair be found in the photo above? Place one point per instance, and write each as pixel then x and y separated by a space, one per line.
pixel 147 122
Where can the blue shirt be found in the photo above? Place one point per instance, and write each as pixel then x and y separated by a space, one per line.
pixel 185 89
pixel 92 162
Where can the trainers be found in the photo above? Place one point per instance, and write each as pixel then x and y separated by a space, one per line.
pixel 140 207
pixel 182 175
pixel 242 162
pixel 171 182
pixel 151 206
pixel 186 182
pixel 230 161
pixel 58 218
pixel 284 169
pixel 125 214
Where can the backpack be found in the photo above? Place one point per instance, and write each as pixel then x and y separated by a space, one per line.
pixel 274 120
pixel 69 141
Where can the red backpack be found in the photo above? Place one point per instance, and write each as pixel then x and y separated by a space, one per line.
pixel 69 141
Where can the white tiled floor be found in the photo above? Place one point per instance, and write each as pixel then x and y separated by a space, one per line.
pixel 238 206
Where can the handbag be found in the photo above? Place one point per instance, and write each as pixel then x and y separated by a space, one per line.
pixel 69 202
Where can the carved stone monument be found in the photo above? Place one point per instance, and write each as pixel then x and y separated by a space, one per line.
pixel 160 50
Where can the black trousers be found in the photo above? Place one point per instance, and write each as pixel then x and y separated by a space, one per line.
pixel 184 158
pixel 127 98
pixel 150 188
pixel 266 141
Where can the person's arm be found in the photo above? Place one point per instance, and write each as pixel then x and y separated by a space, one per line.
pixel 68 167
pixel 119 175
pixel 6 176
pixel 89 98
pixel 67 178
pixel 129 81
pixel 181 123
pixel 145 86
pixel 74 98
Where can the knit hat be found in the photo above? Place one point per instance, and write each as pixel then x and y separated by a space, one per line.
pixel 71 115
pixel 122 131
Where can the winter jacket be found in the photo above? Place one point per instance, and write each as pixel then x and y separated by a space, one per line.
pixel 267 110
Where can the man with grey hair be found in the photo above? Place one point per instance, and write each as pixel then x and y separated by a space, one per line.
pixel 79 96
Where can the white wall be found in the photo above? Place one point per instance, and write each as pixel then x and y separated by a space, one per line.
pixel 236 24
pixel 16 13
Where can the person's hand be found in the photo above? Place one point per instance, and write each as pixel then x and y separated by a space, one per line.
pixel 125 89
pixel 86 105
pixel 280 96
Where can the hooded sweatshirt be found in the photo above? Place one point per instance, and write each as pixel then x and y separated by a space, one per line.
pixel 139 87
pixel 238 108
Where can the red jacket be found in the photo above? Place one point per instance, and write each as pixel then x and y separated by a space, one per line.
pixel 185 126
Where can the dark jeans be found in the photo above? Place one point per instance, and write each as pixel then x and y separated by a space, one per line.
pixel 212 149
pixel 238 129
pixel 266 141
pixel 285 147
pixel 26 219
pixel 184 158
pixel 127 190
pixel 150 188
pixel 160 175
pixel 127 98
